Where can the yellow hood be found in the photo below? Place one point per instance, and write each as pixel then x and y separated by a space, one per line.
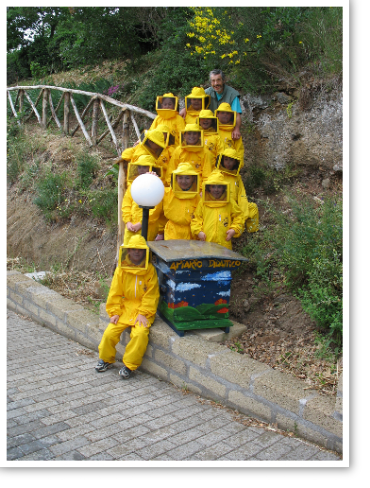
pixel 167 113
pixel 225 107
pixel 197 93
pixel 157 137
pixel 215 178
pixel 169 134
pixel 208 114
pixel 230 153
pixel 124 260
pixel 185 169
pixel 192 128
pixel 128 153
pixel 144 160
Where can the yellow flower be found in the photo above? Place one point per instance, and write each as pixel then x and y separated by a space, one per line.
pixel 300 42
pixel 191 34
pixel 80 201
pixel 237 62
pixel 187 45
pixel 258 37
pixel 246 40
pixel 231 61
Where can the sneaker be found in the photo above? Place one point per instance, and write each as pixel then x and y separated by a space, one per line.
pixel 102 366
pixel 125 372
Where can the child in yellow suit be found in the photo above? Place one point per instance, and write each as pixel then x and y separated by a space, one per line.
pixel 132 214
pixel 168 114
pixel 180 202
pixel 195 102
pixel 217 217
pixel 226 124
pixel 229 164
pixel 132 302
pixel 191 150
pixel 212 142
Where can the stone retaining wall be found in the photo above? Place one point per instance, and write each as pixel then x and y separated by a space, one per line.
pixel 196 362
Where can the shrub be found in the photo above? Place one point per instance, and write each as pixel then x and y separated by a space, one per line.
pixel 49 191
pixel 103 204
pixel 305 245
pixel 87 166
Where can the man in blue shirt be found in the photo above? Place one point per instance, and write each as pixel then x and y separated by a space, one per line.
pixel 222 93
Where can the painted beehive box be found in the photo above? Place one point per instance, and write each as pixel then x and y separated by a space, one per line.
pixel 195 280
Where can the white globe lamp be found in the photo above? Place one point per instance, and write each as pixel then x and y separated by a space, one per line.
pixel 147 191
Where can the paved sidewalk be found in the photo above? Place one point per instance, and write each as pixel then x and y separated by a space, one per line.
pixel 60 408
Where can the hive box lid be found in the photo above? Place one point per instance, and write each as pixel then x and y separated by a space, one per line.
pixel 176 249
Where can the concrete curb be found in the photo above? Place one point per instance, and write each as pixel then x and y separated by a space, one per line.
pixel 196 362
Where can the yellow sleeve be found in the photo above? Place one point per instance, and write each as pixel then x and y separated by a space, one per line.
pixel 172 165
pixel 154 123
pixel 237 219
pixel 113 306
pixel 196 225
pixel 127 203
pixel 239 148
pixel 207 166
pixel 242 199
pixel 150 300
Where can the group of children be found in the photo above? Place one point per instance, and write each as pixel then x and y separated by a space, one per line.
pixel 199 164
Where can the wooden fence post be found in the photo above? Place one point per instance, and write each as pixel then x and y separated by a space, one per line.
pixel 95 118
pixel 66 113
pixel 126 132
pixel 21 97
pixel 44 107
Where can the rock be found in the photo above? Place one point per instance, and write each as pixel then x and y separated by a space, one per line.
pixel 326 183
pixel 338 167
pixel 246 305
pixel 283 98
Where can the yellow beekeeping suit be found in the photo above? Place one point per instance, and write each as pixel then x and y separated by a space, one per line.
pixel 169 117
pixel 132 292
pixel 215 217
pixel 199 96
pixel 179 205
pixel 225 132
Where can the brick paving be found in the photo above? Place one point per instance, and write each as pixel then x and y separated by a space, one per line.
pixel 60 408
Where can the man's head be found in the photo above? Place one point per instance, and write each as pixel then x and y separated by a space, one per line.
pixel 217 79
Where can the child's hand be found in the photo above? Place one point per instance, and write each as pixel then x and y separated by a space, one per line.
pixel 129 226
pixel 183 112
pixel 114 319
pixel 135 227
pixel 159 237
pixel 202 236
pixel 143 321
pixel 136 143
pixel 229 234
pixel 153 173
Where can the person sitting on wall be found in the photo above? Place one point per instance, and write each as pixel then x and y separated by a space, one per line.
pixel 132 302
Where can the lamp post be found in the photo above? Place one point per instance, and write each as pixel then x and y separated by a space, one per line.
pixel 147 191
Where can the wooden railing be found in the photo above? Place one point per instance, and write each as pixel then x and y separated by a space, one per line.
pixel 96 104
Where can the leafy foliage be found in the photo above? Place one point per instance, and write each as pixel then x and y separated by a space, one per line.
pixel 306 243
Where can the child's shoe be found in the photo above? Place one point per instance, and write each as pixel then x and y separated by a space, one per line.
pixel 125 372
pixel 102 366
